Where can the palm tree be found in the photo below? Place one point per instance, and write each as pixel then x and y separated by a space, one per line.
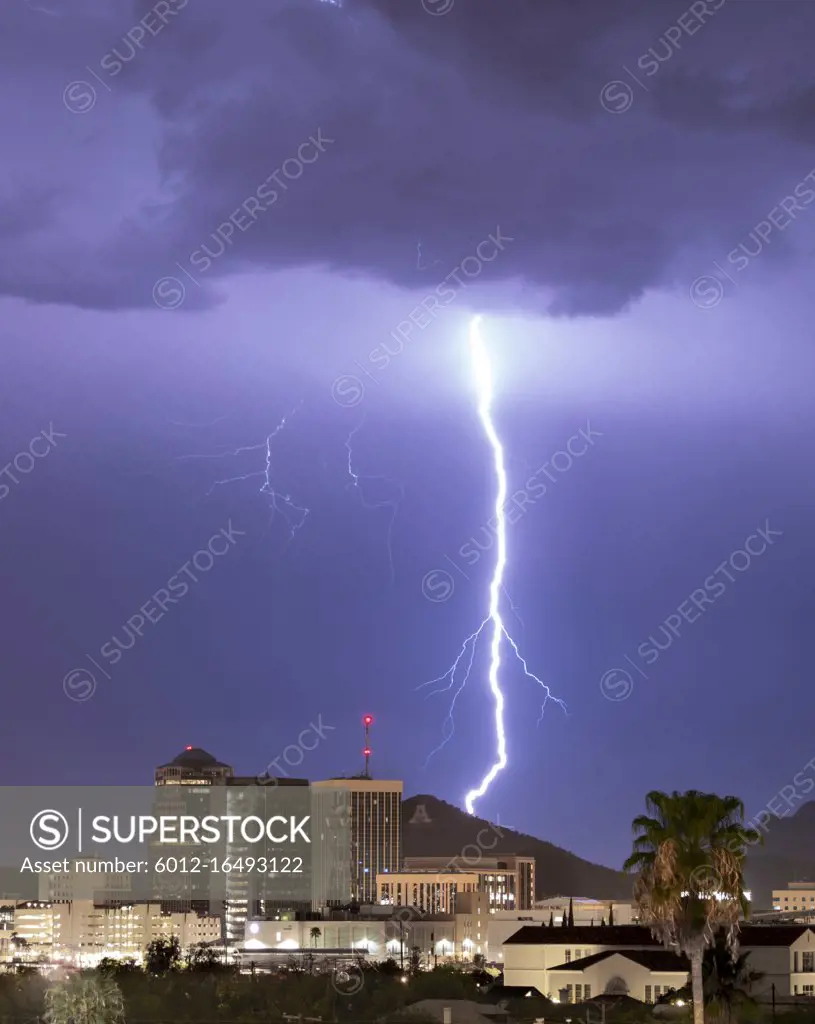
pixel 84 1000
pixel 315 935
pixel 727 979
pixel 689 854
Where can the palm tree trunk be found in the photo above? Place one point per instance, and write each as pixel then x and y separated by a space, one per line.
pixel 696 954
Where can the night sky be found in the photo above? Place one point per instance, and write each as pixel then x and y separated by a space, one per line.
pixel 649 165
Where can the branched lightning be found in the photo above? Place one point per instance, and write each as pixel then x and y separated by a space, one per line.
pixel 420 265
pixel 280 503
pixel 482 371
pixel 356 482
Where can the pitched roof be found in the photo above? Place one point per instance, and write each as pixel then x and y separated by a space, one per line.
pixel 661 960
pixel 771 934
pixel 640 935
pixel 593 935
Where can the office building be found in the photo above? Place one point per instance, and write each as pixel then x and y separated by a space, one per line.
pixel 82 933
pixel 508 880
pixel 373 813
pixel 235 895
pixel 798 896
pixel 432 892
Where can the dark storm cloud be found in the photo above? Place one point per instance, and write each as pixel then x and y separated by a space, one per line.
pixel 442 129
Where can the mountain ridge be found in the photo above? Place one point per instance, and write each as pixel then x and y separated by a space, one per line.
pixel 434 828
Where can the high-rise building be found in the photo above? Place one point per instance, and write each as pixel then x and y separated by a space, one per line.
pixel 237 896
pixel 373 808
pixel 193 767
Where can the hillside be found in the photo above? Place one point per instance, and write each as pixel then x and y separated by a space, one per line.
pixel 433 828
pixel 787 855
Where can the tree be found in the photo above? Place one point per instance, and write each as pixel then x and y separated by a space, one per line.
pixel 688 855
pixel 84 1000
pixel 564 921
pixel 415 961
pixel 162 955
pixel 111 966
pixel 204 958
pixel 551 919
pixel 315 935
pixel 727 979
pixel 571 913
pixel 611 913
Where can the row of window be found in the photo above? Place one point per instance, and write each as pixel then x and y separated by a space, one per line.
pixel 578 954
pixel 807 963
pixel 659 990
pixel 578 993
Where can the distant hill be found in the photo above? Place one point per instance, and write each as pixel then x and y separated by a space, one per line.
pixel 788 855
pixel 433 828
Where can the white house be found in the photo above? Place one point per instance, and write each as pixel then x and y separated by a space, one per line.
pixel 532 952
pixel 643 974
pixel 582 962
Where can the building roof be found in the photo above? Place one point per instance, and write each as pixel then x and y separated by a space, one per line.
pixel 661 960
pixel 771 934
pixel 591 934
pixel 270 781
pixel 464 1011
pixel 640 935
pixel 194 757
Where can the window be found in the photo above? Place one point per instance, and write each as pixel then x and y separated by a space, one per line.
pixel 568 993
pixel 656 991
pixel 808 990
pixel 808 964
pixel 648 994
pixel 578 993
pixel 587 991
pixel 569 956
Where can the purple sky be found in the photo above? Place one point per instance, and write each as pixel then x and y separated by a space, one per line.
pixel 653 169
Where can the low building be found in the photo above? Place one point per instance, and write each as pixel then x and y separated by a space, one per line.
pixel 81 933
pixel 629 960
pixel 587 911
pixel 428 892
pixel 277 941
pixel 378 933
pixel 643 974
pixel 798 896
pixel 508 880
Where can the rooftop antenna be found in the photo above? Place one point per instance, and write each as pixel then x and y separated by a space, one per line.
pixel 367 721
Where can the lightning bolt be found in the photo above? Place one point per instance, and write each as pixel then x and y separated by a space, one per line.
pixel 356 483
pixel 280 503
pixel 420 258
pixel 493 622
